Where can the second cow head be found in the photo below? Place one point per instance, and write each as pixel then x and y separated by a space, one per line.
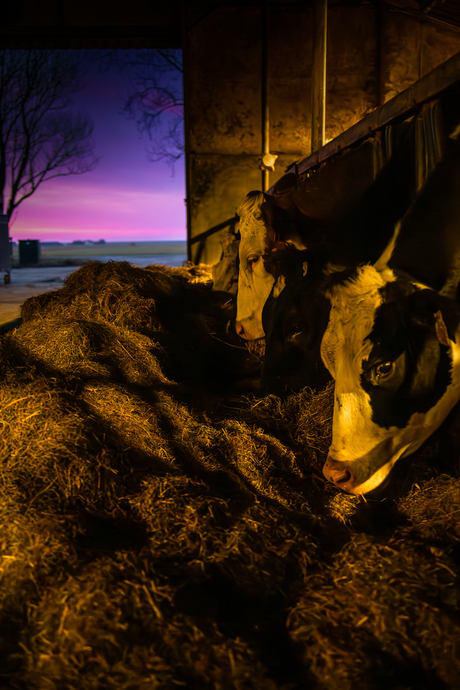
pixel 265 228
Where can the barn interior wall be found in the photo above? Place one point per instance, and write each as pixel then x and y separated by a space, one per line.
pixel 374 52
pixel 411 48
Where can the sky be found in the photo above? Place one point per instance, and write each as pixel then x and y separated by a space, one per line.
pixel 125 198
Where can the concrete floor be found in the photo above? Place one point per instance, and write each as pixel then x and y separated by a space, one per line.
pixel 28 282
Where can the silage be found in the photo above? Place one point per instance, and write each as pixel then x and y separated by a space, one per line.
pixel 149 542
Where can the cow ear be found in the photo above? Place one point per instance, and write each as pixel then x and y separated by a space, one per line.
pixel 425 309
pixel 441 329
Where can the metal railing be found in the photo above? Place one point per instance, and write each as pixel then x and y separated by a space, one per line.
pixel 400 107
pixel 203 236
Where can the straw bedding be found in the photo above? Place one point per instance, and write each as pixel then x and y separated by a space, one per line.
pixel 161 530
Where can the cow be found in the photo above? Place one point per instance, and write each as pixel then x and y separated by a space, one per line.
pixel 303 212
pixel 392 343
pixel 254 281
pixel 295 317
pixel 267 223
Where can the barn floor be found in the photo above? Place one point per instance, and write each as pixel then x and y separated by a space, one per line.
pixel 25 283
pixel 159 529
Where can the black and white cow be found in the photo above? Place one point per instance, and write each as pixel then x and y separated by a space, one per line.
pixel 392 343
pixel 296 316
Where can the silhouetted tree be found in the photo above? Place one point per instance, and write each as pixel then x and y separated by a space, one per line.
pixel 155 98
pixel 39 137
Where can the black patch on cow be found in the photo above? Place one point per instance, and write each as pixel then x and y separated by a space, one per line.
pixel 428 245
pixel 404 333
pixel 294 323
pixel 283 258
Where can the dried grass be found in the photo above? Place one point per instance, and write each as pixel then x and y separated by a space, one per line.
pixel 151 541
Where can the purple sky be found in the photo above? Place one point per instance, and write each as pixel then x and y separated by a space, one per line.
pixel 125 198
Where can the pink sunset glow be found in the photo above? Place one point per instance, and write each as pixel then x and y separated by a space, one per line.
pixel 67 209
pixel 125 198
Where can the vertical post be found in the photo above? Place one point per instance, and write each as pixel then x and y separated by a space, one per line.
pixel 265 107
pixel 188 200
pixel 318 76
pixel 379 96
pixel 420 154
pixel 5 251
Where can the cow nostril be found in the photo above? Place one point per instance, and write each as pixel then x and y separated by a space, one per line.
pixel 240 330
pixel 341 477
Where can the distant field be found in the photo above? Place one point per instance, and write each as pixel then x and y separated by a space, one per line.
pixel 70 251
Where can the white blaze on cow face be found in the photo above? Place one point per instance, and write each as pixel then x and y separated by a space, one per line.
pixel 363 452
pixel 254 282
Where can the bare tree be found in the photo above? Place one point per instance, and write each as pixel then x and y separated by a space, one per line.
pixel 39 137
pixel 155 99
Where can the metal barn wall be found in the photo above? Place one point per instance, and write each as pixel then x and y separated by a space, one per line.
pixel 374 51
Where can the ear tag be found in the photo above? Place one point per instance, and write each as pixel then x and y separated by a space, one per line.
pixel 441 330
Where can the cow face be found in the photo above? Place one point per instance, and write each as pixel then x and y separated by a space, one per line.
pixel 264 228
pixel 254 281
pixel 391 347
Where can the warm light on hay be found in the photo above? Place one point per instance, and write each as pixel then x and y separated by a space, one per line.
pixel 154 534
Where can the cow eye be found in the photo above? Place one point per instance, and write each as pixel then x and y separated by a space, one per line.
pixel 293 328
pixel 252 260
pixel 384 369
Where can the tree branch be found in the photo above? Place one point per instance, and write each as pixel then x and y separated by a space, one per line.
pixel 40 139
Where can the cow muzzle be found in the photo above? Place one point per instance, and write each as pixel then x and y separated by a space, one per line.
pixel 248 330
pixel 338 473
pixel 240 330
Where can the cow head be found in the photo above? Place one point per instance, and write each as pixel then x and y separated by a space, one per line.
pixel 392 347
pixel 393 339
pixel 254 281
pixel 264 228
pixel 294 320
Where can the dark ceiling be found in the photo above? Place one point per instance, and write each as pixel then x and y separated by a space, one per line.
pixel 90 24
pixel 148 23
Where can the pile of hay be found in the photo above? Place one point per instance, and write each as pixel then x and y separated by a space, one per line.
pixel 159 530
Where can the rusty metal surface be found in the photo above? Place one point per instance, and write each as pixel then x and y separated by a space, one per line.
pixel 401 106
